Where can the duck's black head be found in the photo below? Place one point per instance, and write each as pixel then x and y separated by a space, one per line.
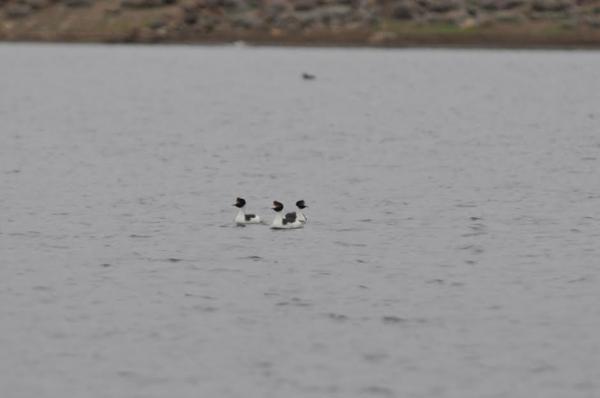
pixel 239 202
pixel 301 204
pixel 277 206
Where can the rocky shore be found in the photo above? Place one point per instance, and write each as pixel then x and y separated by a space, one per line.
pixel 504 23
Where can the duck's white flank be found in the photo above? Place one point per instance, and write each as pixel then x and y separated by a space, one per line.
pixel 243 218
pixel 279 222
pixel 301 217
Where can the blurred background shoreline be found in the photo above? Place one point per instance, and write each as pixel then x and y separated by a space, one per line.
pixel 393 23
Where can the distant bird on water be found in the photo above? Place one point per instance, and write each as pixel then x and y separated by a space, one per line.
pixel 290 221
pixel 298 214
pixel 242 218
pixel 308 76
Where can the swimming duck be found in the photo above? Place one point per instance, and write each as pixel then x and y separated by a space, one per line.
pixel 290 221
pixel 298 214
pixel 242 218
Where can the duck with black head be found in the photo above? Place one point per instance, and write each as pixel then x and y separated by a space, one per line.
pixel 242 217
pixel 301 205
pixel 290 221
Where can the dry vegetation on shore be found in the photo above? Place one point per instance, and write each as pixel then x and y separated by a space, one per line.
pixel 507 23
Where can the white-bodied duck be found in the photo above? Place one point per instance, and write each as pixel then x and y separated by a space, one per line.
pixel 301 205
pixel 242 218
pixel 290 221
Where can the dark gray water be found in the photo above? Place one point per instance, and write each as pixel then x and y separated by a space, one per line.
pixel 452 248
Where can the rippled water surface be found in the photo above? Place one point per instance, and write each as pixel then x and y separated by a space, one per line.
pixel 452 248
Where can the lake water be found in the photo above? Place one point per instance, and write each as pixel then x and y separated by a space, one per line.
pixel 452 246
